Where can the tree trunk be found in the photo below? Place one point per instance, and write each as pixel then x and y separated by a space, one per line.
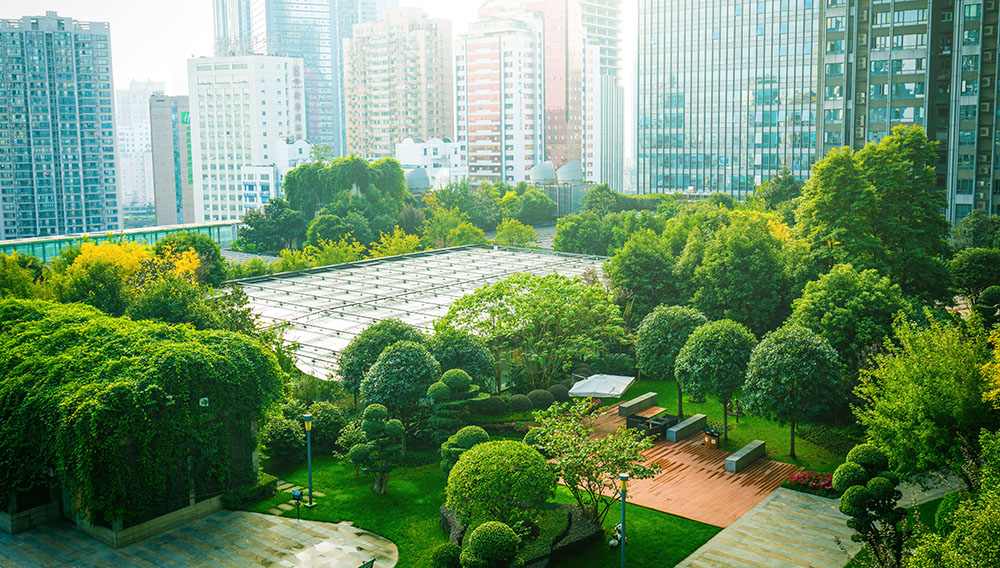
pixel 725 421
pixel 792 453
pixel 680 402
pixel 381 482
pixel 403 442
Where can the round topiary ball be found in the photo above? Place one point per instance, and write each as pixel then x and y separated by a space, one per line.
pixel 847 475
pixel 457 379
pixel 375 412
pixel 869 457
pixel 491 544
pixel 359 453
pixel 520 403
pixel 439 392
pixel 568 383
pixel 559 393
pixel 470 436
pixel 854 501
pixel 542 399
pixel 533 436
pixel 492 406
pixel 446 556
pixel 880 488
pixel 944 517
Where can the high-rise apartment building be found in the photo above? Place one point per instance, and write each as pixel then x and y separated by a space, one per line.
pixel 135 157
pixel 245 111
pixel 726 93
pixel 57 128
pixel 398 82
pixel 231 22
pixel 931 64
pixel 602 24
pixel 500 95
pixel 173 176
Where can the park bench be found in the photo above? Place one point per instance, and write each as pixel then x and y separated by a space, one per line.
pixel 696 423
pixel 638 404
pixel 745 456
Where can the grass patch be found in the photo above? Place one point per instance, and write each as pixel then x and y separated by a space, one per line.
pixel 654 538
pixel 810 456
pixel 408 515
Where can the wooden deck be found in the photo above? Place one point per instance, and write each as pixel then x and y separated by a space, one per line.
pixel 693 482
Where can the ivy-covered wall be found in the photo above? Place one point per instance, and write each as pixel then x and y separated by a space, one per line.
pixel 111 407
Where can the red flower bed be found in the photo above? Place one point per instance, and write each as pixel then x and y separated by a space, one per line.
pixel 811 482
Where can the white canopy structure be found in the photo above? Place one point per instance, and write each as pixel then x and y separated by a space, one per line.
pixel 602 386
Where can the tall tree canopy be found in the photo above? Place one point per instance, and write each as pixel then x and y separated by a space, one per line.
pixel 272 228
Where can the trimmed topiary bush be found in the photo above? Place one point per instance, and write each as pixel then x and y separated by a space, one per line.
pixel 533 436
pixel 439 392
pixel 491 545
pixel 456 349
pixel 869 457
pixel 498 480
pixel 265 486
pixel 446 556
pixel 456 379
pixel 848 474
pixel 492 406
pixel 284 440
pixel 559 392
pixel 541 399
pixel 519 403
pixel 459 442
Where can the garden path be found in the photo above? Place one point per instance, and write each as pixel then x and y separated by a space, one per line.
pixel 693 482
pixel 788 529
pixel 231 539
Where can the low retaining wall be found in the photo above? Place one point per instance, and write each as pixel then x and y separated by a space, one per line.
pixel 24 520
pixel 119 537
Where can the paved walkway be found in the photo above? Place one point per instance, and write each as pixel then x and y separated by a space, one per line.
pixel 788 529
pixel 229 539
pixel 693 482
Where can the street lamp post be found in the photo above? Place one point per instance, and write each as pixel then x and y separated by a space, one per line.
pixel 623 478
pixel 307 418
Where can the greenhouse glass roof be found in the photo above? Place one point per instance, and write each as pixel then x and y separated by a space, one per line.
pixel 326 307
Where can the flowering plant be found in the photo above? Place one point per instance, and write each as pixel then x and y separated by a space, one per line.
pixel 811 482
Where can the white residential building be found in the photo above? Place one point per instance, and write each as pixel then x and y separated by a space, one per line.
pixel 243 110
pixel 499 101
pixel 135 153
pixel 442 159
pixel 590 156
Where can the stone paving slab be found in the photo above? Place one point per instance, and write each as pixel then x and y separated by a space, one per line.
pixel 228 539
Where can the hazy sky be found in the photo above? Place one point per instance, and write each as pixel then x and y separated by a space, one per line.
pixel 152 39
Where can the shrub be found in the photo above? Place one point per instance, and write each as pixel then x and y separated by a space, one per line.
pixel 470 436
pixel 456 349
pixel 491 545
pixel 284 440
pixel 456 379
pixel 459 442
pixel 497 480
pixel 533 436
pixel 559 392
pixel 541 399
pixel 847 475
pixel 439 392
pixel 265 486
pixel 568 383
pixel 492 406
pixel 944 517
pixel 869 457
pixel 327 422
pixel 293 410
pixel 520 403
pixel 446 556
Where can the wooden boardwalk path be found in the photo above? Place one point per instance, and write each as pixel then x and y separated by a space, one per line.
pixel 693 482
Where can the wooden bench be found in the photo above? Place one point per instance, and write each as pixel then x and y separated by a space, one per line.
pixel 693 424
pixel 746 456
pixel 637 404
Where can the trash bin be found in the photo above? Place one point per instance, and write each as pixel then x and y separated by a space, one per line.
pixel 712 438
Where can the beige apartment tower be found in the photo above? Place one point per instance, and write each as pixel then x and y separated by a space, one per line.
pixel 398 82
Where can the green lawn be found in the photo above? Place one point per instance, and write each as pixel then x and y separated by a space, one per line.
pixel 749 428
pixel 409 516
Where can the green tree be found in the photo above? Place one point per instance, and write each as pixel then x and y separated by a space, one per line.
pixel 924 399
pixel 714 362
pixel 380 453
pixel 466 234
pixel 542 323
pixel 272 228
pixel 616 228
pixel 853 311
pixel 779 188
pixel 174 299
pixel 211 268
pixel 395 243
pixel 535 208
pixel 364 350
pixel 450 400
pixel 976 230
pixel 589 465
pixel 660 337
pixel 742 276
pixel 580 233
pixel 457 349
pixel 497 481
pixel 334 228
pixel 17 281
pixel 411 219
pixel 491 545
pixel 643 271
pixel 439 225
pixel 321 153
pixel 100 283
pixel 399 379
pixel 974 270
pixel 793 376
pixel 600 200
pixel 513 233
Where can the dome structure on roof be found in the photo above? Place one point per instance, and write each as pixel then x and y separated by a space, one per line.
pixel 543 172
pixel 570 173
pixel 418 180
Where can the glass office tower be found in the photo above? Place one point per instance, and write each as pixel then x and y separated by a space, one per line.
pixel 57 128
pixel 726 93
